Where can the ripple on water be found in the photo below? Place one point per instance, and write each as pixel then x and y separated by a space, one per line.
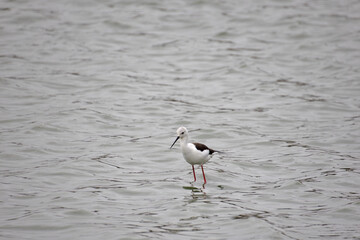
pixel 91 95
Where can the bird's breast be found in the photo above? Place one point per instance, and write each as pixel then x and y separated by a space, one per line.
pixel 194 156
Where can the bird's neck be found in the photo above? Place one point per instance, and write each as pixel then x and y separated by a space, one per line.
pixel 184 141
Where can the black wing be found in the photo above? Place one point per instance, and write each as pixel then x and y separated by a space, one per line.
pixel 202 147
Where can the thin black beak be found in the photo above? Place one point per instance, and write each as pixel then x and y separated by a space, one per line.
pixel 174 141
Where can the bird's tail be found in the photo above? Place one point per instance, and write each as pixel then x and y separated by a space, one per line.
pixel 220 152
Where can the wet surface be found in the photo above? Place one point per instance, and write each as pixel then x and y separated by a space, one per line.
pixel 91 94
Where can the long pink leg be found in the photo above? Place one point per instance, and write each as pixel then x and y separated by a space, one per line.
pixel 203 174
pixel 194 173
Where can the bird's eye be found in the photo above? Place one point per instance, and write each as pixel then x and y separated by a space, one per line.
pixel 182 132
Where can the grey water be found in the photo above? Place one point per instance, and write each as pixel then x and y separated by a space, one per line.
pixel 92 92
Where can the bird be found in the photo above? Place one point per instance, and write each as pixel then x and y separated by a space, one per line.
pixel 193 153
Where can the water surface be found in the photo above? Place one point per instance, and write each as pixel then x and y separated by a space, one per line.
pixel 91 94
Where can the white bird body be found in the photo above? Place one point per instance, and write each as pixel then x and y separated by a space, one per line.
pixel 194 156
